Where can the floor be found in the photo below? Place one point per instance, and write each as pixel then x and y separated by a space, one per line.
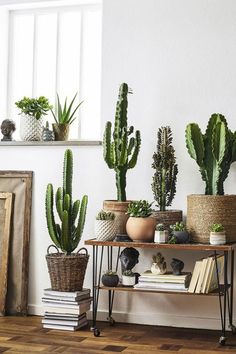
pixel 25 335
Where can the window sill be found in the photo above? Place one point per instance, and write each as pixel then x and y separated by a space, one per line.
pixel 52 143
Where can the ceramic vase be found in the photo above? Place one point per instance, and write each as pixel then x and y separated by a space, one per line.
pixel 217 238
pixel 161 236
pixel 30 128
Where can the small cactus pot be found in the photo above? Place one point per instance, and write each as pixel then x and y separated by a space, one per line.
pixel 128 280
pixel 217 238
pixel 105 230
pixel 110 280
pixel 161 236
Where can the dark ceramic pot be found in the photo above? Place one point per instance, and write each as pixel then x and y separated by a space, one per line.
pixel 182 236
pixel 110 280
pixel 61 131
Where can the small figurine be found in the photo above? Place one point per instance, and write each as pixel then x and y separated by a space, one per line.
pixel 48 135
pixel 7 128
pixel 159 264
pixel 128 258
pixel 177 265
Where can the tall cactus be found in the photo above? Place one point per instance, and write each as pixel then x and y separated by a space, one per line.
pixel 213 151
pixel 166 169
pixel 71 214
pixel 121 154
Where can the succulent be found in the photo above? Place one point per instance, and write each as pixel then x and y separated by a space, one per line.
pixel 139 209
pixel 172 240
pixel 121 153
pixel 34 107
pixel 128 273
pixel 104 215
pixel 166 169
pixel 178 226
pixel 217 228
pixel 71 214
pixel 160 227
pixel 110 273
pixel 65 114
pixel 213 151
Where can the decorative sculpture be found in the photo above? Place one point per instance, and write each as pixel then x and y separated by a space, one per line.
pixel 7 128
pixel 128 258
pixel 177 265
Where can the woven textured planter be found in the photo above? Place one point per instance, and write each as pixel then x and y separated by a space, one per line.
pixel 67 272
pixel 205 210
pixel 119 209
pixel 168 217
pixel 105 230
pixel 30 128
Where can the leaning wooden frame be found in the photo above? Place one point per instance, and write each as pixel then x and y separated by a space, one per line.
pixel 5 233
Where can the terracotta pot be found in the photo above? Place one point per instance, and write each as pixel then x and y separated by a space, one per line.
pixel 205 210
pixel 61 131
pixel 119 209
pixel 168 217
pixel 141 229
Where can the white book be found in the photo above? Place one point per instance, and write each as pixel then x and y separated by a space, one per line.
pixel 66 298
pixel 166 286
pixel 72 294
pixel 65 317
pixel 159 289
pixel 195 276
pixel 64 328
pixel 65 323
pixel 79 310
pixel 201 276
pixel 66 304
pixel 168 276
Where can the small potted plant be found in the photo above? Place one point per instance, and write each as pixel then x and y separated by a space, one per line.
pixel 140 226
pixel 161 235
pixel 179 231
pixel 64 116
pixel 217 234
pixel 105 226
pixel 32 111
pixel 128 278
pixel 110 279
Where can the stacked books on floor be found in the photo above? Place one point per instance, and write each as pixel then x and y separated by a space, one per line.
pixel 163 282
pixel 204 278
pixel 65 310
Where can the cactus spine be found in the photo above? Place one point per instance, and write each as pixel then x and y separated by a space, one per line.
pixel 71 214
pixel 166 169
pixel 213 151
pixel 121 154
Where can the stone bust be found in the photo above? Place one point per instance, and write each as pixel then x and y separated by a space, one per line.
pixel 7 128
pixel 128 258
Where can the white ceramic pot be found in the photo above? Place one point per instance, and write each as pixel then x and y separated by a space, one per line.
pixel 105 230
pixel 31 129
pixel 128 280
pixel 217 238
pixel 157 270
pixel 161 236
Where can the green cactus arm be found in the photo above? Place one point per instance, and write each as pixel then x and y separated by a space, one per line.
pixel 68 172
pixel 65 233
pixel 233 139
pixel 123 153
pixel 219 142
pixel 75 211
pixel 58 227
pixel 67 203
pixel 107 146
pixel 50 216
pixel 59 202
pixel 81 220
pixel 132 162
pixel 194 143
pixel 130 146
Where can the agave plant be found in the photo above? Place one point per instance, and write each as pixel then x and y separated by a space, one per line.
pixel 65 114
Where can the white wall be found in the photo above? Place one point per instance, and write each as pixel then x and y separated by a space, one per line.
pixel 179 58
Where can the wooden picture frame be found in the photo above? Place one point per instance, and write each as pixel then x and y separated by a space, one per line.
pixel 5 232
pixel 20 184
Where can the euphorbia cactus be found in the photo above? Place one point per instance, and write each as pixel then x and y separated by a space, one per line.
pixel 121 154
pixel 67 235
pixel 213 151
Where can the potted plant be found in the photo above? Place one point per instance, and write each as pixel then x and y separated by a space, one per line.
pixel 164 179
pixel 32 111
pixel 217 234
pixel 105 226
pixel 128 278
pixel 140 226
pixel 161 235
pixel 214 152
pixel 66 269
pixel 179 231
pixel 159 264
pixel 110 279
pixel 120 151
pixel 64 116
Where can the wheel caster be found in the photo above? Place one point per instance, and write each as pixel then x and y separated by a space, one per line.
pixel 96 332
pixel 111 321
pixel 222 340
pixel 233 328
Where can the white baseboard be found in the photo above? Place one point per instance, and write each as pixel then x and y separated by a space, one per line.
pixel 152 319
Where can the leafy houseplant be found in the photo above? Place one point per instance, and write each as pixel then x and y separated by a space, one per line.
pixel 180 233
pixel 217 234
pixel 120 151
pixel 164 179
pixel 140 225
pixel 32 110
pixel 66 235
pixel 161 235
pixel 64 115
pixel 105 226
pixel 128 278
pixel 214 153
pixel 110 279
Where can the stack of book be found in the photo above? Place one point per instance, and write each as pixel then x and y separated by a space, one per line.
pixel 204 278
pixel 163 282
pixel 65 310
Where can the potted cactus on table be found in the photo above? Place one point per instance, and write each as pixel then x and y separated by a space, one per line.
pixel 120 151
pixel 217 234
pixel 214 153
pixel 105 226
pixel 66 269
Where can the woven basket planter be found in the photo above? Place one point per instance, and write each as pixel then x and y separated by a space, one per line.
pixel 67 271
pixel 168 217
pixel 105 230
pixel 205 210
pixel 119 209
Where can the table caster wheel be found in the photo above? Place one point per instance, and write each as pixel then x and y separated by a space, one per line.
pixel 111 321
pixel 222 340
pixel 233 328
pixel 96 332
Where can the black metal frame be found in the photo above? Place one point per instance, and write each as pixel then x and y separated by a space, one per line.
pixel 225 291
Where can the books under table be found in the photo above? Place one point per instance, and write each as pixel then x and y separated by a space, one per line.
pixel 163 282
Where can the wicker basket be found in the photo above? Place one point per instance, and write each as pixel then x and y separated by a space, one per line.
pixel 67 271
pixel 119 209
pixel 105 230
pixel 168 217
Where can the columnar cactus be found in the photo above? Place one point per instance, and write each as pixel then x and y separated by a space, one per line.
pixel 121 154
pixel 213 151
pixel 166 169
pixel 71 214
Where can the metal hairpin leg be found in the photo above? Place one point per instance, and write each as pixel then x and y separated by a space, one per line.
pixel 231 296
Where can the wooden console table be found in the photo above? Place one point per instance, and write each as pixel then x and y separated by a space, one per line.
pixel 224 292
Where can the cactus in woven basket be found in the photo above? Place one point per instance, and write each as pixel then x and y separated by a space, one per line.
pixel 213 151
pixel 121 153
pixel 166 169
pixel 68 233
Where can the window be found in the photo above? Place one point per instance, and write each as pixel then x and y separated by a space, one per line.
pixel 57 48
